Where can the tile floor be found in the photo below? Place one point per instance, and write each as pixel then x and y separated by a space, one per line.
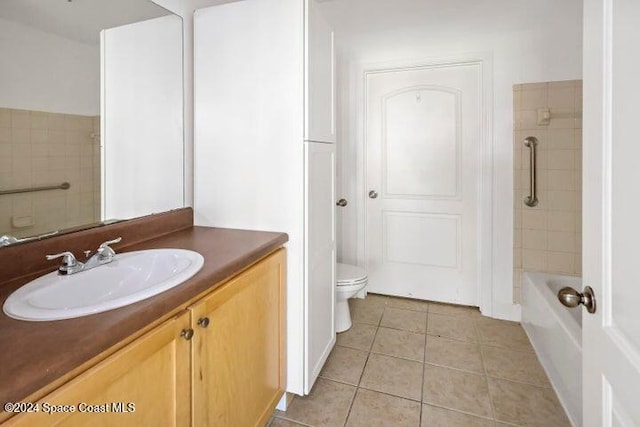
pixel 416 363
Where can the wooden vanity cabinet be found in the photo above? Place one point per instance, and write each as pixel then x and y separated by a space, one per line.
pixel 239 356
pixel 152 373
pixel 219 363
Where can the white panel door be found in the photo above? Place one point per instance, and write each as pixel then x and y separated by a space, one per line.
pixel 422 145
pixel 320 255
pixel 611 336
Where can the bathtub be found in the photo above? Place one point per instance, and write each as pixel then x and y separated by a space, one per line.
pixel 555 332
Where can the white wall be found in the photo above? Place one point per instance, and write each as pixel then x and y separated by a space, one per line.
pixel 142 120
pixel 529 42
pixel 44 72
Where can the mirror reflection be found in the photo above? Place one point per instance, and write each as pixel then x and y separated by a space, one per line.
pixel 53 139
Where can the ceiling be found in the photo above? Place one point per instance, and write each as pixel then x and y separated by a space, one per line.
pixel 79 20
pixel 354 18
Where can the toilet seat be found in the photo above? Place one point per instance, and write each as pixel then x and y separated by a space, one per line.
pixel 352 283
pixel 350 274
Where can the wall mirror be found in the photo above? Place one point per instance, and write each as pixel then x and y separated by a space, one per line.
pixel 91 114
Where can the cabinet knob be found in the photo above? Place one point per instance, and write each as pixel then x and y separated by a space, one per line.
pixel 203 322
pixel 187 334
pixel 342 202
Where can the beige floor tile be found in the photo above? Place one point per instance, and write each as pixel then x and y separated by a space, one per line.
pixel 408 304
pixel 359 336
pixel 345 365
pixel 454 354
pixel 391 375
pixel 376 299
pixel 327 405
pixel 513 365
pixel 433 416
pixel 454 310
pixel 463 391
pixel 376 409
pixel 459 328
pixel 365 311
pixel 279 422
pixel 525 404
pixel 394 342
pixel 502 333
pixel 407 320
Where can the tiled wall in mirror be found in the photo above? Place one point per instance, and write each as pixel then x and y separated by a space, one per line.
pixel 53 126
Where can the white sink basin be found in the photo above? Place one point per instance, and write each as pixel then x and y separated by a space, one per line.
pixel 129 278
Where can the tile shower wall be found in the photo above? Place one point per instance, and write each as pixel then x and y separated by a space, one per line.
pixel 41 149
pixel 548 237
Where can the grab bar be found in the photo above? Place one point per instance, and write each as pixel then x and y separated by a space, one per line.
pixel 63 186
pixel 532 199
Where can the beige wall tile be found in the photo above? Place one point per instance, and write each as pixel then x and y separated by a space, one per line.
pixel 534 260
pixel 564 119
pixel 20 136
pixel 37 149
pixel 56 136
pixel 562 241
pixel 5 117
pixel 561 262
pixel 534 239
pixel 561 180
pixel 5 135
pixel 20 119
pixel 564 200
pixel 561 84
pixel 517 98
pixel 534 220
pixel 562 139
pixel 561 159
pixel 56 121
pixel 562 97
pixel 534 98
pixel 561 221
pixel 38 120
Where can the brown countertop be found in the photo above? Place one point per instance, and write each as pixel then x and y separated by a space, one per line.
pixel 35 354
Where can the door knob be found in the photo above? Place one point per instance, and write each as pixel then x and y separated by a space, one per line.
pixel 373 194
pixel 342 202
pixel 569 297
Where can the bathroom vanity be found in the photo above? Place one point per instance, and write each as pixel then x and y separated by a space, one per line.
pixel 210 351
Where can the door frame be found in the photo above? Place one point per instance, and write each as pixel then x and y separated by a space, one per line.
pixel 485 238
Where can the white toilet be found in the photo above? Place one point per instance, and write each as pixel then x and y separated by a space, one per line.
pixel 349 281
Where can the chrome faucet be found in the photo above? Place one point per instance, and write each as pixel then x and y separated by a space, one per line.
pixel 70 265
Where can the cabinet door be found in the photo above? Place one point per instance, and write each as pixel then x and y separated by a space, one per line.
pixel 320 253
pixel 147 383
pixel 320 77
pixel 239 359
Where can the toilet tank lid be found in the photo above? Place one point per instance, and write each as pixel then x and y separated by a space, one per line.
pixel 349 273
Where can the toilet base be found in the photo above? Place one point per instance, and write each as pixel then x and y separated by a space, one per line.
pixel 343 315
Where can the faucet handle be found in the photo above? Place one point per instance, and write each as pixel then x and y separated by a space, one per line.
pixel 68 259
pixel 106 244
